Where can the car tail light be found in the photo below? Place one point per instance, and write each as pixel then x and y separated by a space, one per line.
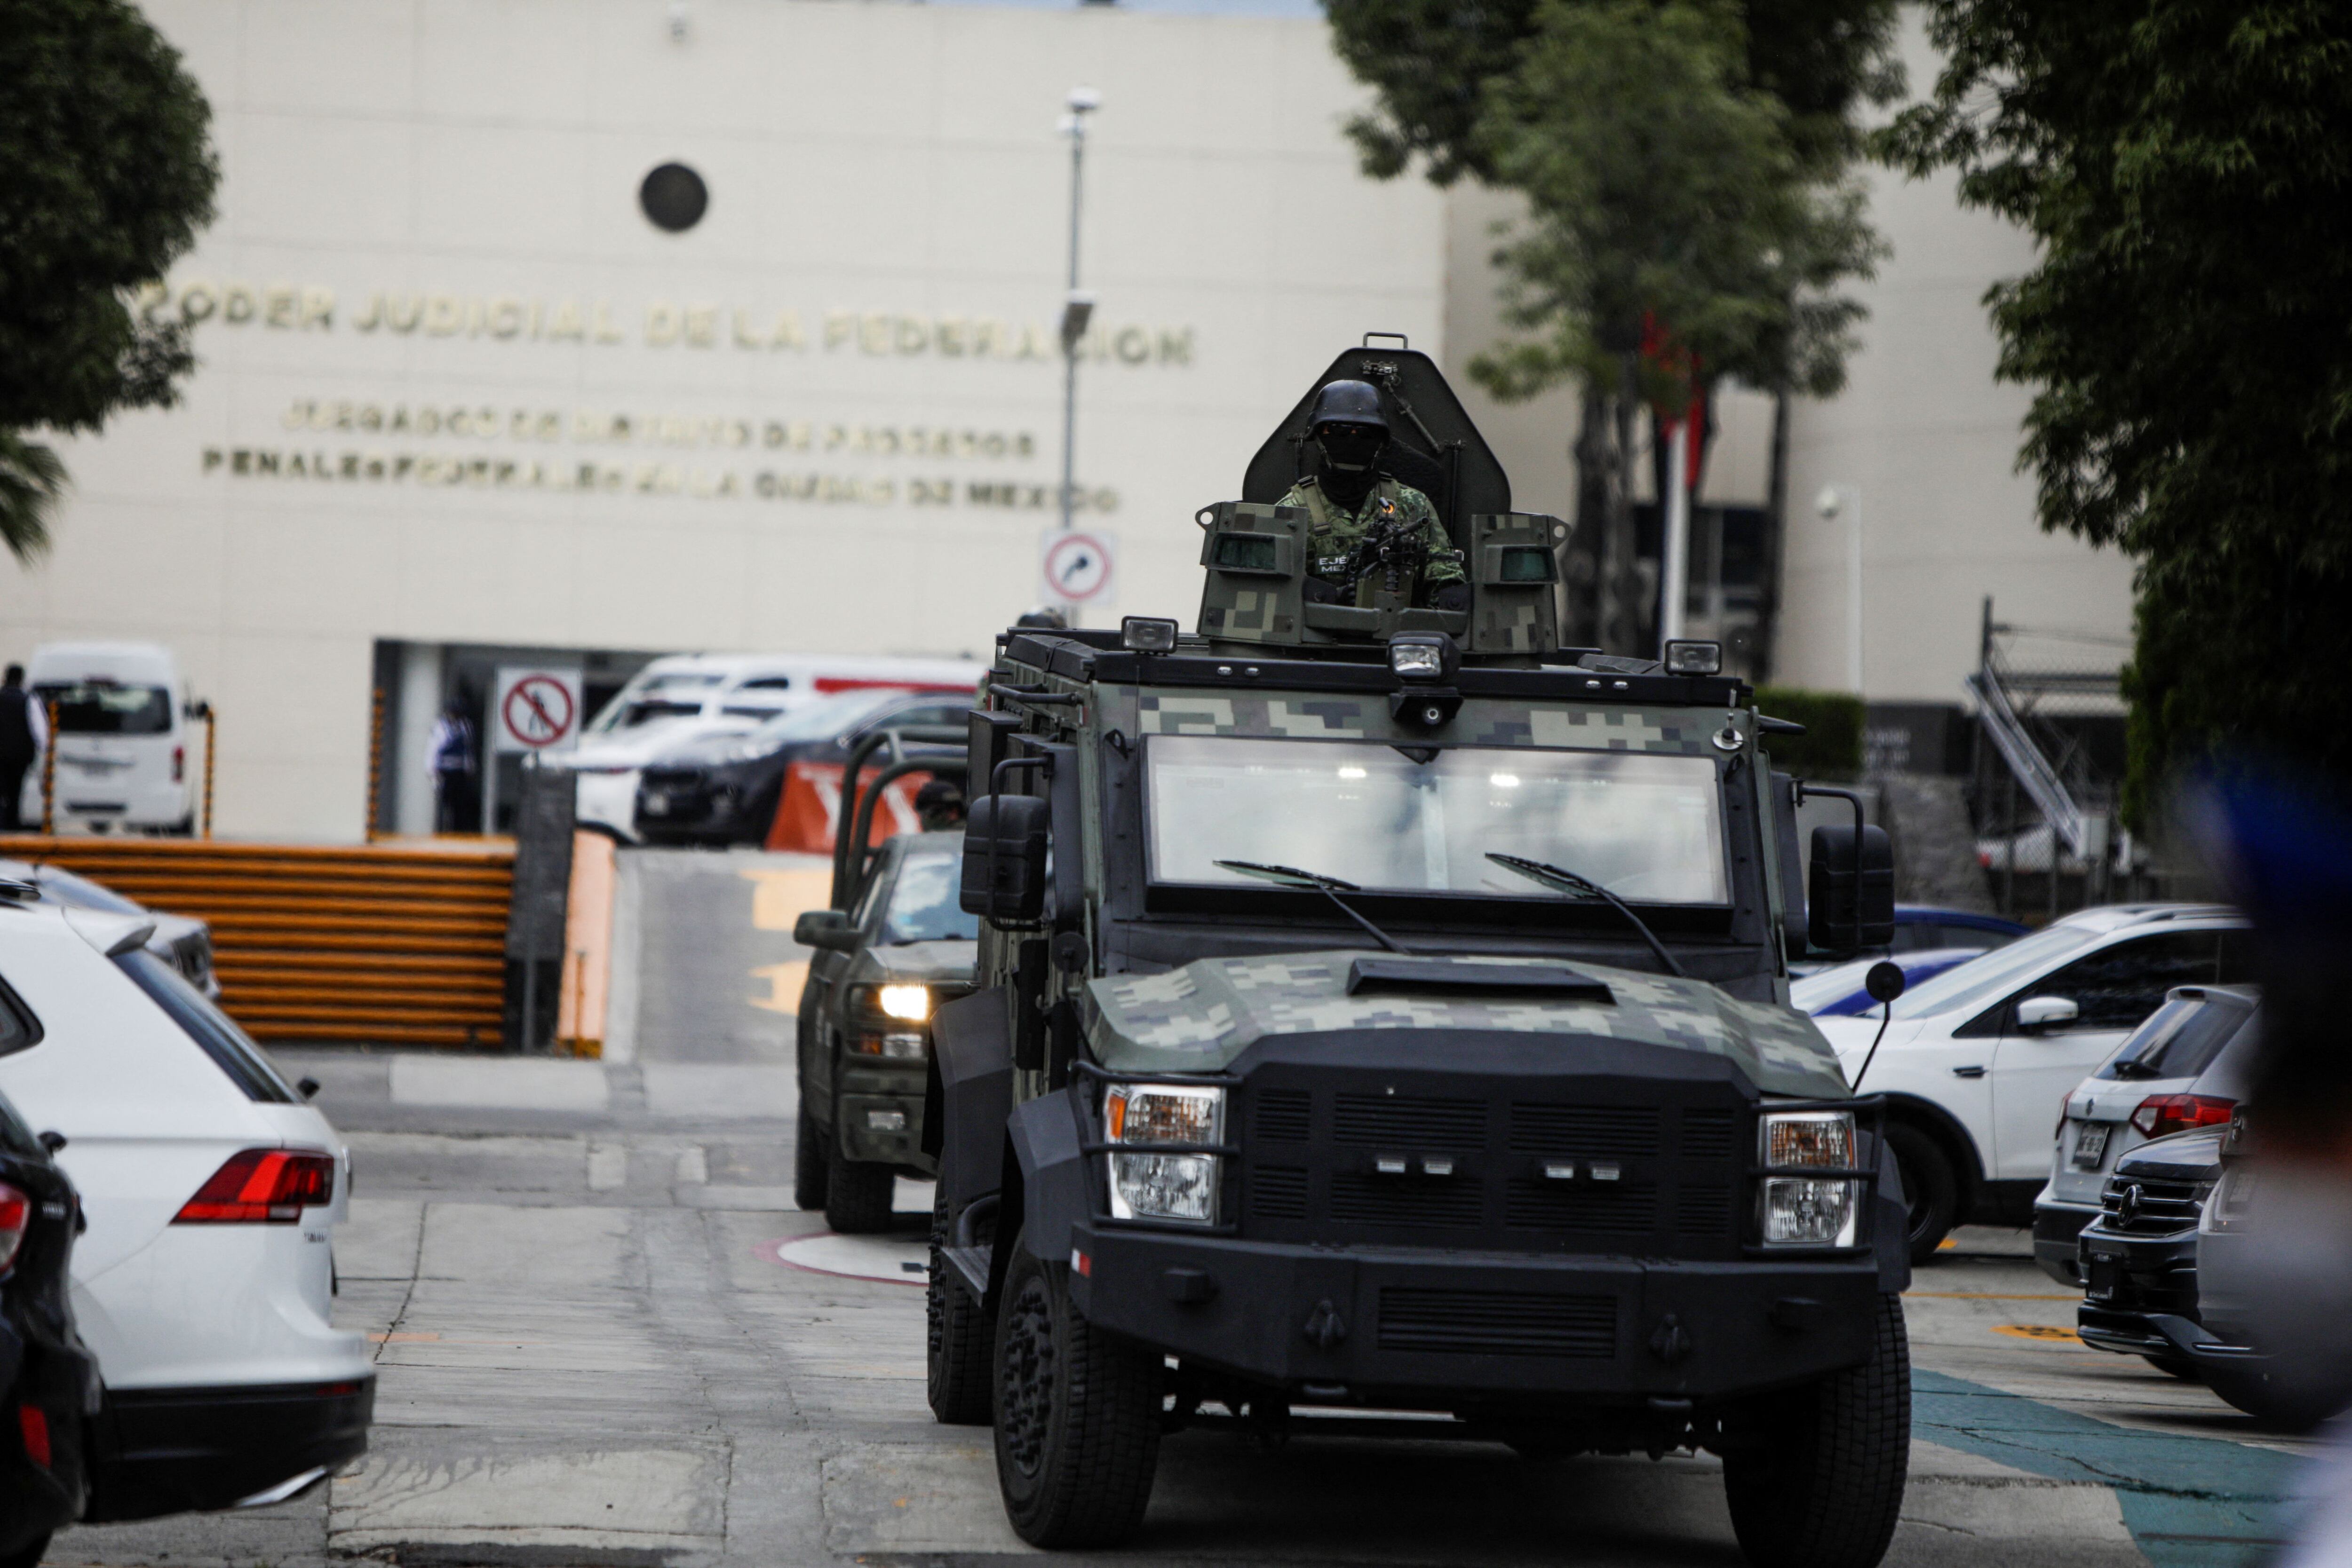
pixel 33 1423
pixel 2161 1113
pixel 262 1187
pixel 179 763
pixel 15 1213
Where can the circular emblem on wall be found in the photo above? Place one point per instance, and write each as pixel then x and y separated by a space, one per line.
pixel 674 197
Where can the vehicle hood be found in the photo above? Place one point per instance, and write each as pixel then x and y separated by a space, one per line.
pixel 635 747
pixel 1199 1018
pixel 945 963
pixel 2191 1155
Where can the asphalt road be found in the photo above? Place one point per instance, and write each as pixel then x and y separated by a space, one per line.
pixel 606 1336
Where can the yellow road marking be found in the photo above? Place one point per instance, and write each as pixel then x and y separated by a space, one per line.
pixel 2044 1331
pixel 780 897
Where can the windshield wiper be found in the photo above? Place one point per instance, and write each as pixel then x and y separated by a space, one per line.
pixel 1560 881
pixel 1330 887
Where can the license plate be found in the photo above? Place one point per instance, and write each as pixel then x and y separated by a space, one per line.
pixel 2090 1144
pixel 2102 1276
pixel 657 806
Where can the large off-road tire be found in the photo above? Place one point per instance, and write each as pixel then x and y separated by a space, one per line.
pixel 28 1556
pixel 1929 1184
pixel 1820 1482
pixel 961 1337
pixel 857 1194
pixel 1078 1415
pixel 808 1165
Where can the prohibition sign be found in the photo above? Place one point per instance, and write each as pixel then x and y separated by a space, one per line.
pixel 538 711
pixel 1078 567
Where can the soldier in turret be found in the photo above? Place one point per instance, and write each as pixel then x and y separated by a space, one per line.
pixel 1356 508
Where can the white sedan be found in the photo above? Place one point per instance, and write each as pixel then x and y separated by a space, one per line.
pixel 1977 1064
pixel 213 1191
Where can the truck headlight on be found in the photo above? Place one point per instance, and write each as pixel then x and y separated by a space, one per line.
pixel 909 1003
pixel 1808 1211
pixel 1179 1186
pixel 888 1021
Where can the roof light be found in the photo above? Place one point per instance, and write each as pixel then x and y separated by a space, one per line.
pixel 1694 658
pixel 1423 655
pixel 1147 634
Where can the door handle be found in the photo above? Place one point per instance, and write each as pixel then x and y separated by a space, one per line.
pixel 1967 1072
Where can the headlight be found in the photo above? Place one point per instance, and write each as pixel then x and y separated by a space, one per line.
pixel 1808 1211
pixel 912 1003
pixel 1164 1187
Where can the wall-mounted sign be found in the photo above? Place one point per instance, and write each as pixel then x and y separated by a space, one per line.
pixel 535 709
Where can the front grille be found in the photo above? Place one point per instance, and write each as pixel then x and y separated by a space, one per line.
pixel 1409 1122
pixel 1708 1135
pixel 1277 1192
pixel 1585 1130
pixel 1336 1153
pixel 1392 1200
pixel 1283 1116
pixel 671 778
pixel 2160 1208
pixel 1495 1322
pixel 1606 1209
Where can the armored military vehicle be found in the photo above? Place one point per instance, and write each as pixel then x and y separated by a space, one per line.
pixel 1382 1014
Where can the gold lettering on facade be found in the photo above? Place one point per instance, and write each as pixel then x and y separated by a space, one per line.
pixel 874 332
pixel 404 315
pixel 278 305
pixel 444 316
pixel 565 322
pixel 605 331
pixel 505 317
pixel 236 304
pixel 787 333
pixel 318 307
pixel 701 326
pixel 840 326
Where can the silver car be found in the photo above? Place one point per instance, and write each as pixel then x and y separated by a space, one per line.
pixel 182 942
pixel 2184 1068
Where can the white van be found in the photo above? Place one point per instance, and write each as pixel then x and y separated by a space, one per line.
pixel 122 751
pixel 684 696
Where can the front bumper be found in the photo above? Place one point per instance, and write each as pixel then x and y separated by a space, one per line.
pixel 872 1094
pixel 1413 1328
pixel 2139 1292
pixel 177 1450
pixel 2057 1235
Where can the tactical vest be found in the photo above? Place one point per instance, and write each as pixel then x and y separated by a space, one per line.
pixel 1319 505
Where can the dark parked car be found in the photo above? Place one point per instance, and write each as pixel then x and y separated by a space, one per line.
pixel 2139 1257
pixel 723 788
pixel 47 1380
pixel 881 969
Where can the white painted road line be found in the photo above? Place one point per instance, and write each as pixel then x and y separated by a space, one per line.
pixel 498 1084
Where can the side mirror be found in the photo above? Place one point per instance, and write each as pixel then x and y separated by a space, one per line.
pixel 1884 982
pixel 2037 1015
pixel 1850 906
pixel 53 1142
pixel 307 1087
pixel 1004 859
pixel 825 928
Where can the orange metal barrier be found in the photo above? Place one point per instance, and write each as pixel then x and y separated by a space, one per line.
pixel 808 813
pixel 401 943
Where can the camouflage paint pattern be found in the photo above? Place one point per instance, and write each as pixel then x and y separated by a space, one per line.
pixel 1482 721
pixel 1199 1018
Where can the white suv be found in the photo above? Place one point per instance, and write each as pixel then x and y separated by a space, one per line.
pixel 1977 1062
pixel 211 1191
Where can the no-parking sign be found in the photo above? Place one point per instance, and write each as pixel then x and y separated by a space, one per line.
pixel 1075 564
pixel 535 709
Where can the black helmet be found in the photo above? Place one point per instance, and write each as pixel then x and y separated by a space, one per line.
pixel 1348 402
pixel 1045 618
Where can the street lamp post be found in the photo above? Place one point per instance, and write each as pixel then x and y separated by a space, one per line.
pixel 1077 309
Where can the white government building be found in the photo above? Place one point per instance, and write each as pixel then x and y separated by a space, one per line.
pixel 461 401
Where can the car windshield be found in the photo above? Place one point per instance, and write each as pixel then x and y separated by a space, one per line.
pixel 824 720
pixel 1647 828
pixel 102 707
pixel 2181 1040
pixel 923 906
pixel 1983 980
pixel 219 1037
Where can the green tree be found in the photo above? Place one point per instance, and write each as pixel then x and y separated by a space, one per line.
pixel 1684 162
pixel 108 178
pixel 2187 331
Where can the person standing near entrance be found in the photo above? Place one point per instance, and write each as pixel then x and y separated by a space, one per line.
pixel 24 735
pixel 457 789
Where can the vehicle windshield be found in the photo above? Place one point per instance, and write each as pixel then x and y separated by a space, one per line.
pixel 2181 1040
pixel 102 707
pixel 824 720
pixel 1647 828
pixel 923 902
pixel 1982 981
